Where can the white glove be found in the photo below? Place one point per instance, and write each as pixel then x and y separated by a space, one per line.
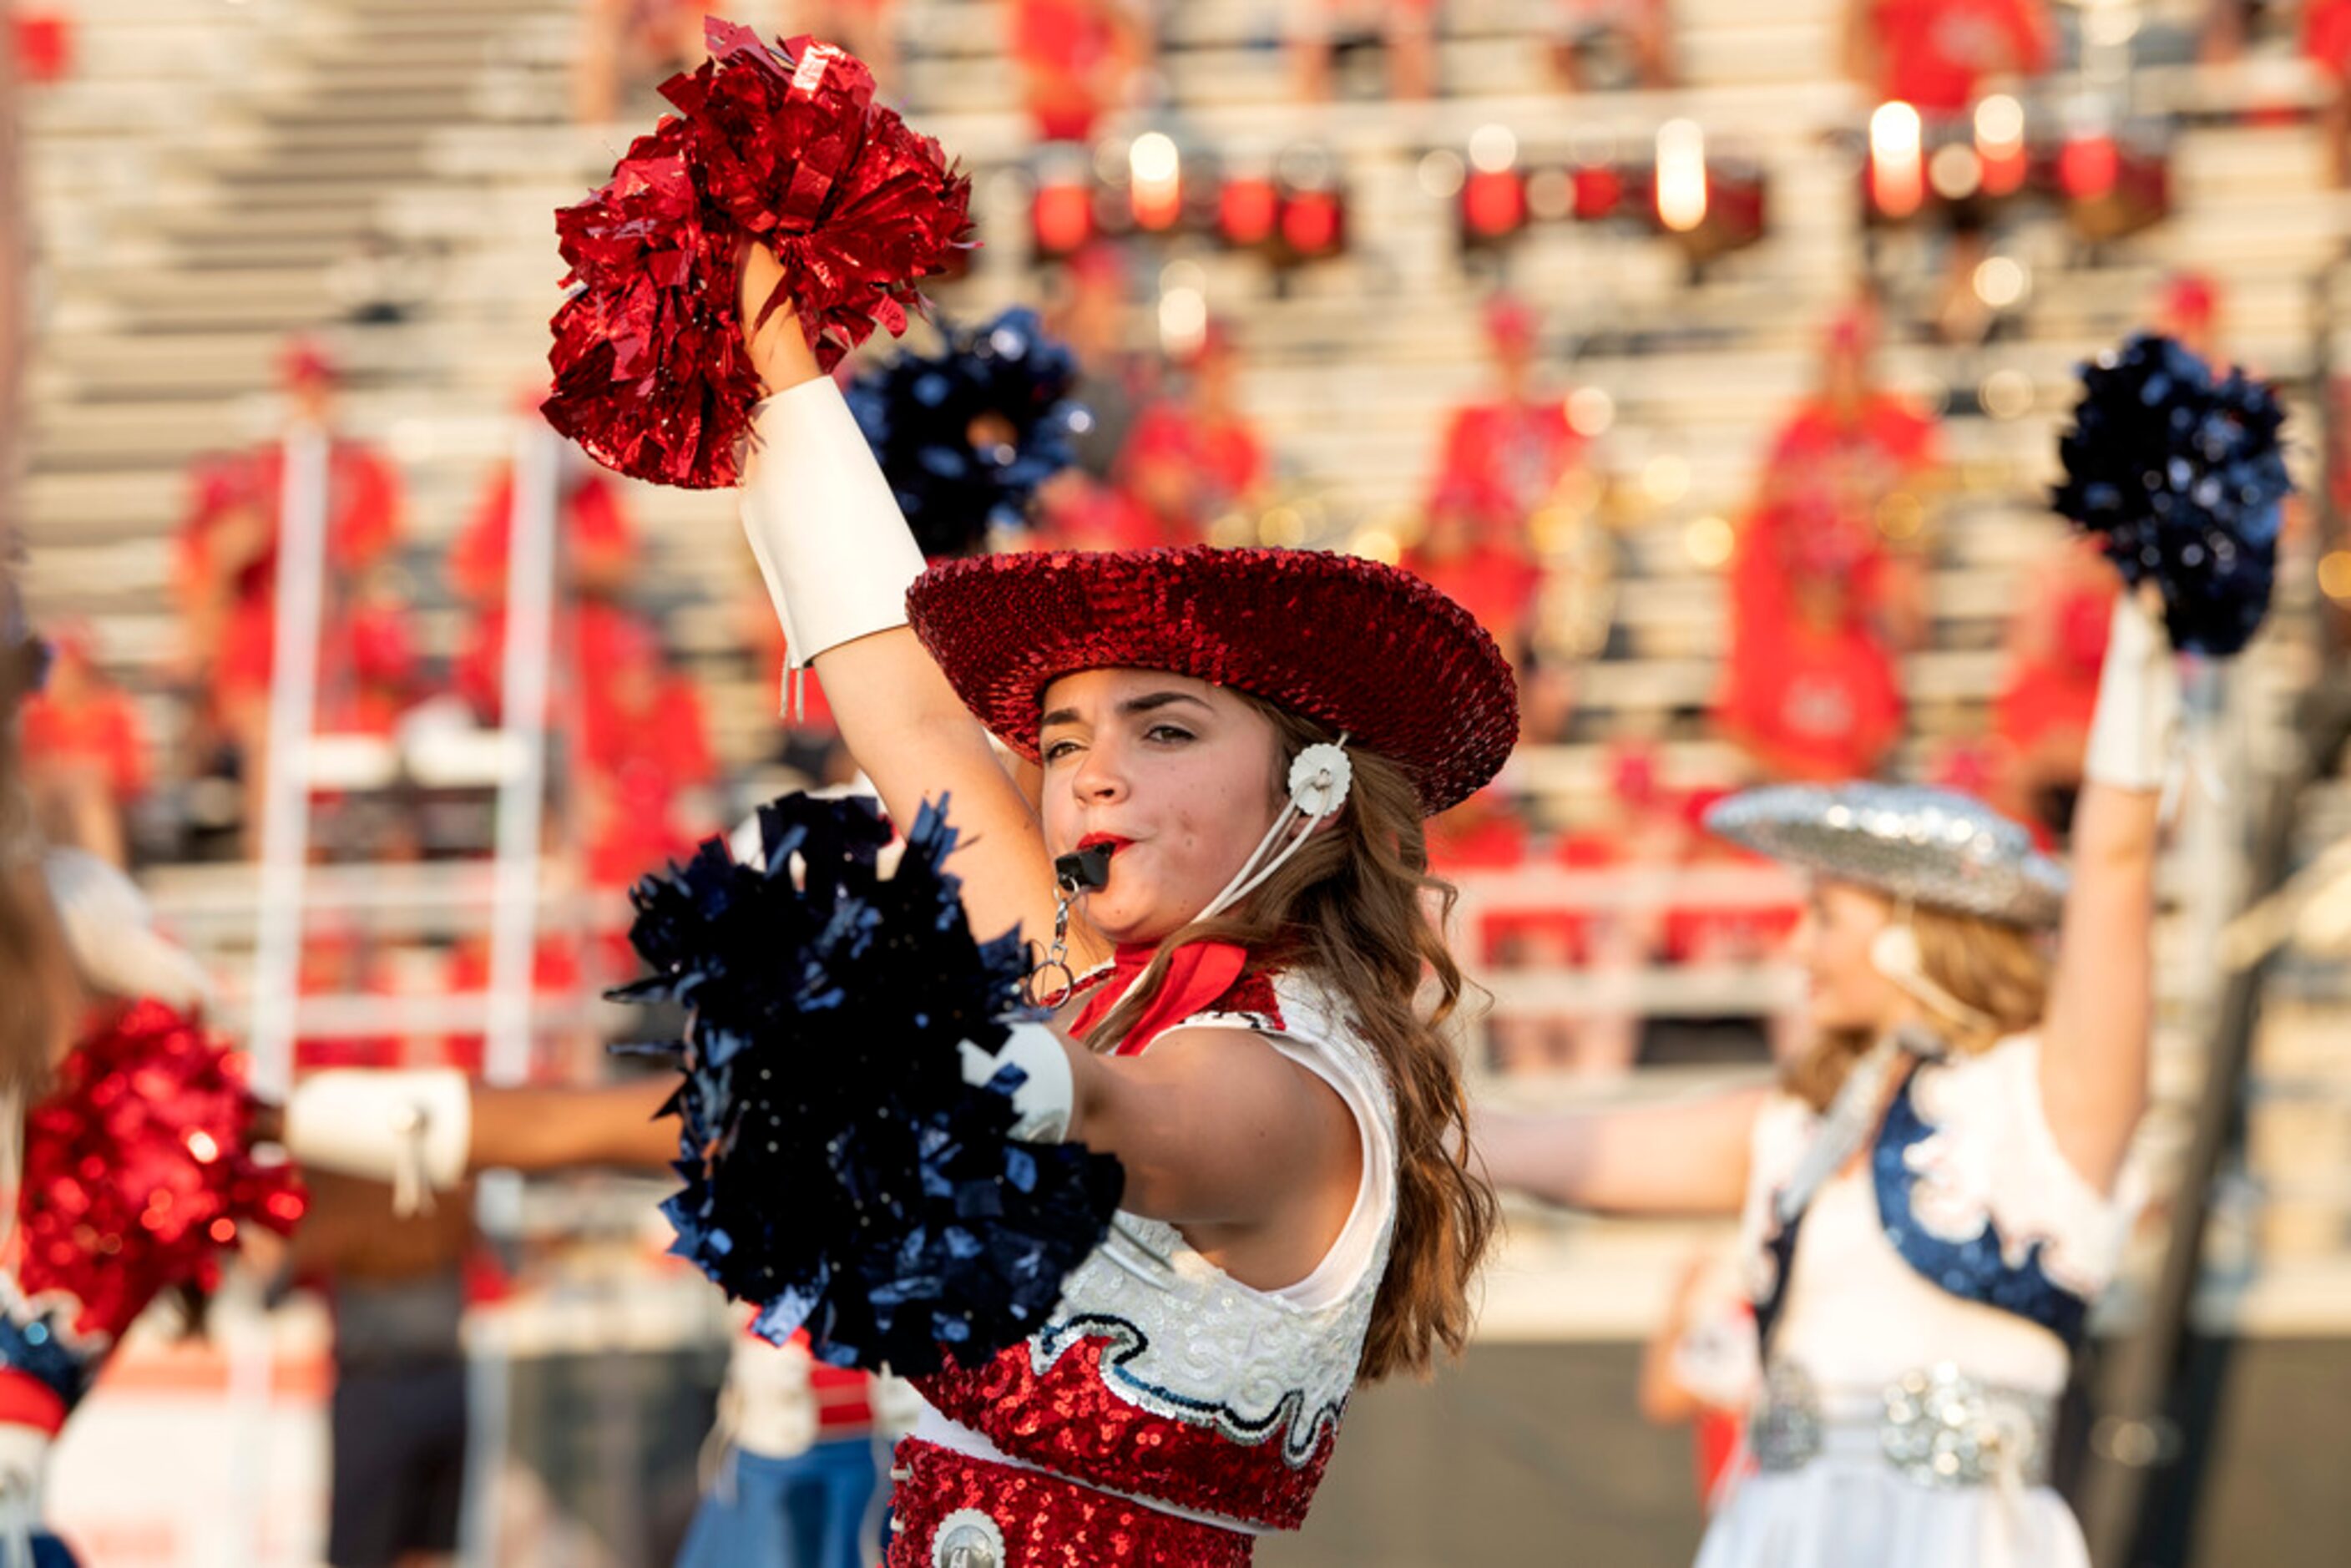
pixel 413 1129
pixel 1041 1106
pixel 831 543
pixel 2138 703
pixel 897 1405
pixel 767 1405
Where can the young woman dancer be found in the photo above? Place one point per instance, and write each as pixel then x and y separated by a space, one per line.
pixel 128 1167
pixel 1930 1197
pixel 1237 748
pixel 1239 745
pixel 89 995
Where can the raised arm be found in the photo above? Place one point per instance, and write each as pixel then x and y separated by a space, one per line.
pixel 1688 1156
pixel 2094 1043
pixel 838 557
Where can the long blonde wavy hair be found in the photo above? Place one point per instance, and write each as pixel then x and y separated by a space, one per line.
pixel 2001 971
pixel 1357 908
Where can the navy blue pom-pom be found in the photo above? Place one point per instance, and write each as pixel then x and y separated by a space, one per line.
pixel 966 435
pixel 838 1171
pixel 2180 474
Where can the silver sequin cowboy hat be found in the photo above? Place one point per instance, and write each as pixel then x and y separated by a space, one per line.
pixel 1930 847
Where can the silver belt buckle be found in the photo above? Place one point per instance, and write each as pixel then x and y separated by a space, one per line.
pixel 967 1538
pixel 1944 1428
pixel 1786 1433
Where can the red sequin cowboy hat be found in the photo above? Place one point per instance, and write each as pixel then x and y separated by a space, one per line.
pixel 1368 649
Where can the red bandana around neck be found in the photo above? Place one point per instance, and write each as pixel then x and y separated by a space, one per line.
pixel 1198 975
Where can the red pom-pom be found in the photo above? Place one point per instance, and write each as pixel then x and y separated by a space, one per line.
pixel 651 377
pixel 139 1168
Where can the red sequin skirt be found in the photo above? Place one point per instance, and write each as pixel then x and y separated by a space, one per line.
pixel 1042 1521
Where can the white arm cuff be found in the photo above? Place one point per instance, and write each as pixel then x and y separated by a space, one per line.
pixel 2138 703
pixel 1041 1106
pixel 831 543
pixel 413 1129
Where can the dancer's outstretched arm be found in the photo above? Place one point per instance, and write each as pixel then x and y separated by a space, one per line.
pixel 838 557
pixel 2094 1043
pixel 615 1125
pixel 1215 1128
pixel 1687 1157
pixel 428 1129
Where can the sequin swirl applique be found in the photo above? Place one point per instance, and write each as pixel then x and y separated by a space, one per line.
pixel 1767 1248
pixel 1124 1358
pixel 1768 1279
pixel 1070 1412
pixel 1993 1152
pixel 1962 1252
pixel 1045 1522
pixel 36 1338
pixel 1160 1377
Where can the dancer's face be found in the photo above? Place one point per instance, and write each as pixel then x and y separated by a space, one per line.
pixel 1847 991
pixel 1180 774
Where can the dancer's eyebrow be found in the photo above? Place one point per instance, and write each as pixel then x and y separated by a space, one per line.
pixel 1148 702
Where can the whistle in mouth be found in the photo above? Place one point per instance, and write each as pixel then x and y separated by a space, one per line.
pixel 1084 871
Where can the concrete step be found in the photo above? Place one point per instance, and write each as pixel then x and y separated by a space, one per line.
pixel 143 287
pixel 238 203
pixel 426 105
pixel 389 160
pixel 394 86
pixel 315 244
